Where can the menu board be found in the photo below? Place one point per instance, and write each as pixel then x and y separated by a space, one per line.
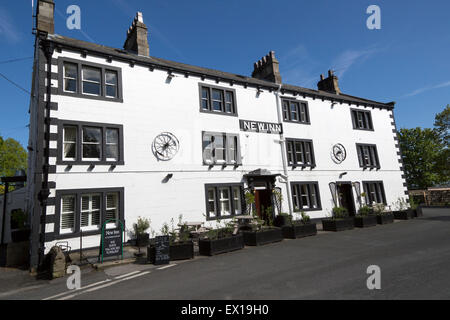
pixel 112 243
pixel 162 247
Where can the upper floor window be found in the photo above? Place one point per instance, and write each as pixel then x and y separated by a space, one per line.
pixel 89 80
pixel 216 99
pixel 300 153
pixel 221 148
pixel 295 111
pixel 368 156
pixel 374 191
pixel 93 143
pixel 362 119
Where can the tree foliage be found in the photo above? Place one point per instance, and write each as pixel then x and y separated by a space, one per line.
pixel 13 157
pixel 426 154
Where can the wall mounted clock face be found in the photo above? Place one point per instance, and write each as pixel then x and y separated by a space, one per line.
pixel 338 153
pixel 165 146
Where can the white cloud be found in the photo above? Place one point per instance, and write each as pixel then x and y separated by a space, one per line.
pixel 7 29
pixel 427 88
pixel 350 57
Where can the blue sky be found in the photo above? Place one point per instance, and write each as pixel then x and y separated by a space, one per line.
pixel 407 61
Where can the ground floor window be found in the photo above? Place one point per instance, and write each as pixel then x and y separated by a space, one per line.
pixel 374 191
pixel 223 200
pixel 305 196
pixel 86 210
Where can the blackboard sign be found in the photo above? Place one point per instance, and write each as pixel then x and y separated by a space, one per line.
pixel 112 243
pixel 162 246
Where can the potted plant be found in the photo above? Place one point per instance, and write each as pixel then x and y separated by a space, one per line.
pixel 282 219
pixel 263 232
pixel 299 228
pixel 140 227
pixel 221 240
pixel 181 246
pixel 365 218
pixel 417 211
pixel 383 216
pixel 339 221
pixel 402 212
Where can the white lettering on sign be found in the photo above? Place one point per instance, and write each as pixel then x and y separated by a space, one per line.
pixel 257 126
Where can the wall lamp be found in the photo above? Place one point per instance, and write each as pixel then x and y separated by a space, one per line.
pixel 342 174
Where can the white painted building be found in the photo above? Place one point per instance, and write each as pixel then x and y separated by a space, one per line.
pixel 116 133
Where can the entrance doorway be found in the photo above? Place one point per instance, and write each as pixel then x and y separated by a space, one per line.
pixel 345 195
pixel 263 200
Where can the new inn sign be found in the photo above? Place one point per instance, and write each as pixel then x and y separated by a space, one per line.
pixel 264 127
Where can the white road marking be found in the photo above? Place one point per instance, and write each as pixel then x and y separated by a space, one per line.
pixel 168 266
pixel 126 274
pixel 82 288
pixel 105 285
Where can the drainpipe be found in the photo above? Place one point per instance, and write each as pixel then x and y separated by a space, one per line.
pixel 283 150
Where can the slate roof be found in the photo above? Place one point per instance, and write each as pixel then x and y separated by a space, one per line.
pixel 172 66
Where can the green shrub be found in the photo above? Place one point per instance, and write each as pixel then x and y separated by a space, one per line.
pixel 340 213
pixel 141 226
pixel 364 211
pixel 305 217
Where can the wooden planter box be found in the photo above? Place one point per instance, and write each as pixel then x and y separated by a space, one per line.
pixel 208 247
pixel 366 221
pixel 299 230
pixel 265 236
pixel 20 235
pixel 177 251
pixel 403 215
pixel 142 240
pixel 417 212
pixel 385 218
pixel 281 220
pixel 338 224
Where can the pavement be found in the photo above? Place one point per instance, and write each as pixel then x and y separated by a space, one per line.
pixel 413 256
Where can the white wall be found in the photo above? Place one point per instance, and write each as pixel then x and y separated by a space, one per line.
pixel 151 106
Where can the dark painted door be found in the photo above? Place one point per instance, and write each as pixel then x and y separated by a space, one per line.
pixel 346 198
pixel 263 200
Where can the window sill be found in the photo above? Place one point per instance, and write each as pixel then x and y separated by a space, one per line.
pixel 219 113
pixel 89 96
pixel 297 122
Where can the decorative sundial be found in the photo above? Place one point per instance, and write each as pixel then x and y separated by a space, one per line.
pixel 165 146
pixel 338 153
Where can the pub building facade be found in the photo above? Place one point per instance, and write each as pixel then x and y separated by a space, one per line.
pixel 118 134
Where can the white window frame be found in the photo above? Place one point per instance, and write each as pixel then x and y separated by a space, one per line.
pixel 70 78
pixel 72 229
pixel 90 212
pixel 91 81
pixel 70 142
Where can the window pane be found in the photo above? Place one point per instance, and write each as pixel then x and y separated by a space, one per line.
pixel 112 136
pixel 91 88
pixel 304 196
pixel 217 98
pixel 112 207
pixel 111 77
pixel 219 148
pixel 91 74
pixel 211 202
pixel 224 200
pixel 299 152
pixel 92 134
pixel 70 85
pixel 111 91
pixel 67 212
pixel 70 70
pixel 286 110
pixel 237 200
pixel 70 145
pixel 229 102
pixel 294 113
pixel 91 151
pixel 290 146
pixel 207 142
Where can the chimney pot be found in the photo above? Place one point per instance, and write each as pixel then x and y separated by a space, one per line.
pixel 267 68
pixel 137 37
pixel 330 84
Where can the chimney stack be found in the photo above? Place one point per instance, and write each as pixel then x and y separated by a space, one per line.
pixel 45 16
pixel 330 84
pixel 137 41
pixel 267 68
